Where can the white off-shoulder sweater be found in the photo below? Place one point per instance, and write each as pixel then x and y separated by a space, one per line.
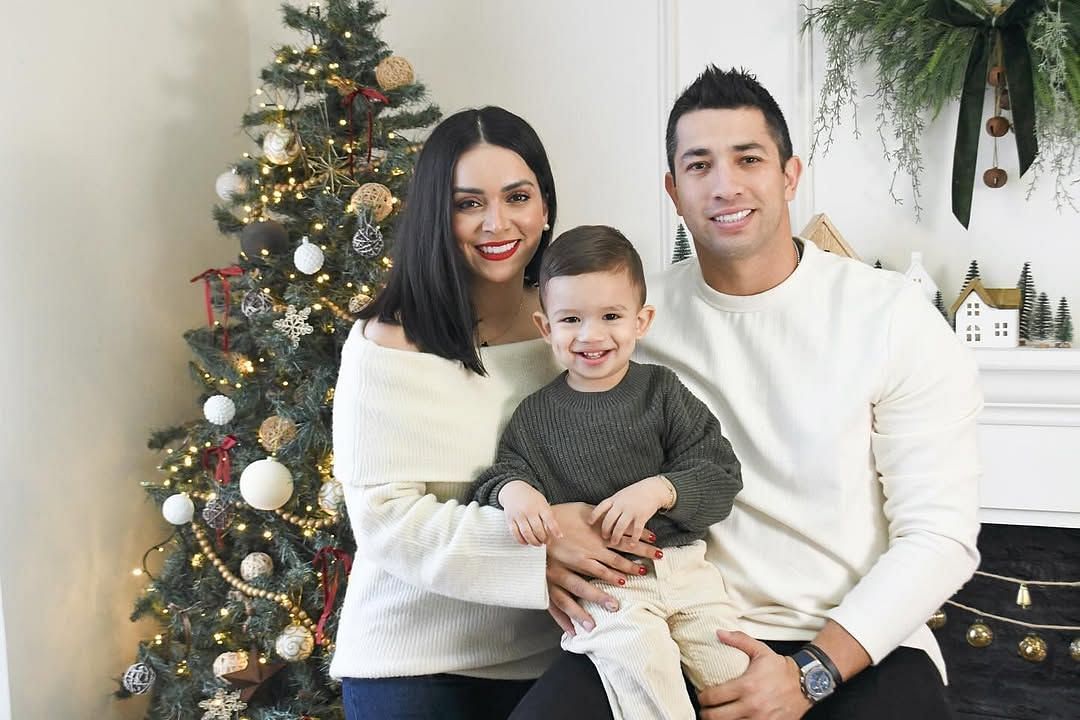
pixel 439 585
pixel 851 406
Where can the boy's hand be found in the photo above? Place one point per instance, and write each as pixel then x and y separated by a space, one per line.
pixel 528 514
pixel 626 512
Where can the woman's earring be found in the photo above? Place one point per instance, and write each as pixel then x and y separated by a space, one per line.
pixel 546 227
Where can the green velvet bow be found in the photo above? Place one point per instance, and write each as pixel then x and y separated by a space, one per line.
pixel 1011 28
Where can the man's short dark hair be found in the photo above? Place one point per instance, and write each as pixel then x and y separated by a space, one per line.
pixel 588 249
pixel 717 89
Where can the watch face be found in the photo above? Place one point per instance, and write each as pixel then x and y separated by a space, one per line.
pixel 819 683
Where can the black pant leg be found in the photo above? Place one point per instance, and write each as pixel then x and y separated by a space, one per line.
pixel 570 689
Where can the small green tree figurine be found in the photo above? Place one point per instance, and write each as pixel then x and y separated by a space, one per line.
pixel 682 245
pixel 1063 329
pixel 939 303
pixel 973 272
pixel 1026 286
pixel 1042 327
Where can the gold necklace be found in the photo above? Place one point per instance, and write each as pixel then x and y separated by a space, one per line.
pixel 521 304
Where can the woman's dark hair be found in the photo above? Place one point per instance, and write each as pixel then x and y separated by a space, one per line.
pixel 427 292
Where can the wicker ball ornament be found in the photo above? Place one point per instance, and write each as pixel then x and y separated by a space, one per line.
pixel 217 514
pixel 178 509
pixel 358 302
pixel 394 72
pixel 376 197
pixel 331 496
pixel 230 183
pixel 138 678
pixel 281 145
pixel 229 662
pixel 295 643
pixel 266 484
pixel 275 432
pixel 979 635
pixel 255 303
pixel 269 236
pixel 309 257
pixel 995 177
pixel 219 409
pixel 1032 648
pixel 997 126
pixel 255 565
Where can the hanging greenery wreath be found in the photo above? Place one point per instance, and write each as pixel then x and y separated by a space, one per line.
pixel 930 52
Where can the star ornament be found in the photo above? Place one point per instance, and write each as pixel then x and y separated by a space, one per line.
pixel 294 325
pixel 251 678
pixel 222 706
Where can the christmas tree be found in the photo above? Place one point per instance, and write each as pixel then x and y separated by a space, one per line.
pixel 1042 325
pixel 972 273
pixel 1026 286
pixel 682 245
pixel 939 303
pixel 1063 329
pixel 246 589
pixel 878 265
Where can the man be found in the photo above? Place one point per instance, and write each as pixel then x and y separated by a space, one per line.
pixel 852 409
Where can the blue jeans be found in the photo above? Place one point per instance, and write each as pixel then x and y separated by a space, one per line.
pixel 431 697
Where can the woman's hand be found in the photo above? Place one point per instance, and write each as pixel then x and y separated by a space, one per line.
pixel 580 554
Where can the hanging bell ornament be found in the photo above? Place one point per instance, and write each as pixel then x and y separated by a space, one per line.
pixel 979 635
pixel 1074 649
pixel 937 620
pixel 996 76
pixel 997 126
pixel 995 177
pixel 1006 104
pixel 1032 648
pixel 1023 597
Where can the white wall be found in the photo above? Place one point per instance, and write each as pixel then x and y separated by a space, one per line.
pixel 118 116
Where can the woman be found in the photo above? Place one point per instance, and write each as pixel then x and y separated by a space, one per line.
pixel 444 612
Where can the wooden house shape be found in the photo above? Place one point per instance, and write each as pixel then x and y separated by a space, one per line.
pixel 987 317
pixel 917 274
pixel 824 234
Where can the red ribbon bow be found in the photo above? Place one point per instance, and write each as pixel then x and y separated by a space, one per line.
pixel 321 562
pixel 223 274
pixel 223 466
pixel 373 96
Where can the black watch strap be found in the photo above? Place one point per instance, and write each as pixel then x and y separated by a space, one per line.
pixel 824 660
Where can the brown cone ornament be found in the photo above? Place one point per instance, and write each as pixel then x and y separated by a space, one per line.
pixel 997 126
pixel 995 177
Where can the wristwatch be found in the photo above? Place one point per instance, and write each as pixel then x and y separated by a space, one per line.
pixel 818 676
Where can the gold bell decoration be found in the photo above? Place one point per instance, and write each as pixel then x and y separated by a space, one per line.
pixel 1023 596
pixel 937 620
pixel 979 635
pixel 1074 649
pixel 1032 648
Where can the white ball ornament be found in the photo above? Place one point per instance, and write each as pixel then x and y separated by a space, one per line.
pixel 219 409
pixel 330 497
pixel 139 678
pixel 266 484
pixel 230 183
pixel 178 509
pixel 229 662
pixel 295 643
pixel 255 565
pixel 309 257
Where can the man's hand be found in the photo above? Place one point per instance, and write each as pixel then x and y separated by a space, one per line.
pixel 768 690
pixel 528 514
pixel 580 554
pixel 626 512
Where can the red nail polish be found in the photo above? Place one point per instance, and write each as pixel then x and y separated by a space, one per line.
pixel 652 537
pixel 641 571
pixel 659 554
pixel 622 581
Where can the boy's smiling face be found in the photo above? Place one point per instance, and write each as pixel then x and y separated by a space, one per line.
pixel 592 322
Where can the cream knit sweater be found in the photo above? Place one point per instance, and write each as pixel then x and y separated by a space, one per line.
pixel 439 584
pixel 852 408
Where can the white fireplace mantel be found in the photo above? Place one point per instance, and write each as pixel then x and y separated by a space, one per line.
pixel 1029 435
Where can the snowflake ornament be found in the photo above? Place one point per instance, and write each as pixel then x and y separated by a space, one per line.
pixel 222 706
pixel 294 324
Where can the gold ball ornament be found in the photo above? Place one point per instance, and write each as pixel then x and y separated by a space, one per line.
pixel 358 302
pixel 1074 649
pixel 997 126
pixel 295 643
pixel 281 145
pixel 995 177
pixel 1032 648
pixel 979 635
pixel 275 432
pixel 375 197
pixel 937 620
pixel 394 72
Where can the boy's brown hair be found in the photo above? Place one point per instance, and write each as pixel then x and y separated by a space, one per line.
pixel 591 248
